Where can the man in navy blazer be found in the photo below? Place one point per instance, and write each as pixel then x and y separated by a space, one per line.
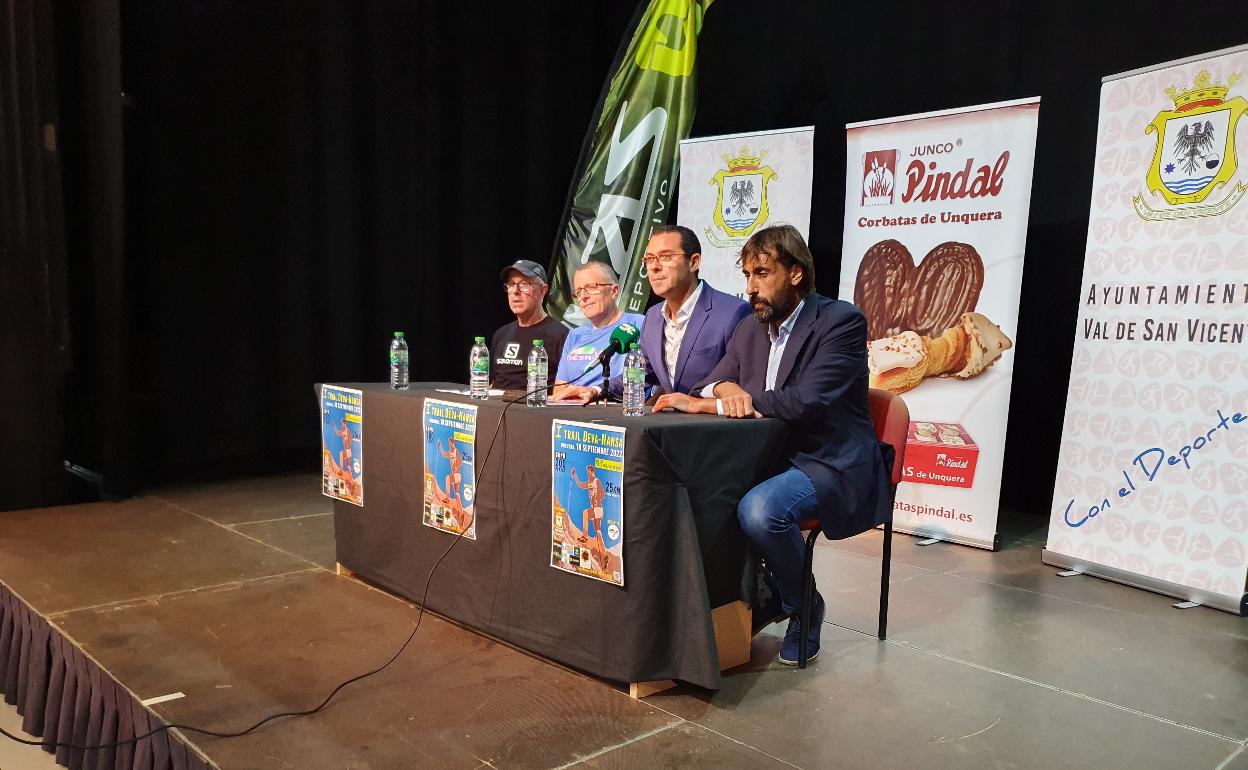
pixel 804 362
pixel 687 334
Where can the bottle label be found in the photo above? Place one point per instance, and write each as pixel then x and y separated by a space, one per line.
pixel 481 364
pixel 635 374
pixel 398 357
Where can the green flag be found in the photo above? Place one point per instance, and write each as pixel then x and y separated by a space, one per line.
pixel 627 172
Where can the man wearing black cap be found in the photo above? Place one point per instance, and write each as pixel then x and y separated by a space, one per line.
pixel 525 285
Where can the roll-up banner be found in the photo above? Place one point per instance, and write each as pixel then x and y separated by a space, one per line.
pixel 623 184
pixel 936 210
pixel 733 185
pixel 1152 475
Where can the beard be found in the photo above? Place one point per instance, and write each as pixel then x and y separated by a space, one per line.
pixel 766 310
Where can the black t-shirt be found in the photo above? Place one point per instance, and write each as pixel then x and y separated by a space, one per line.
pixel 509 351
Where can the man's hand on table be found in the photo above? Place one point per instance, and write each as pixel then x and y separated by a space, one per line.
pixel 681 402
pixel 737 403
pixel 578 393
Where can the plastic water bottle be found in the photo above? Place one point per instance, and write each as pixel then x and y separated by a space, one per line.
pixel 634 382
pixel 479 370
pixel 398 362
pixel 536 386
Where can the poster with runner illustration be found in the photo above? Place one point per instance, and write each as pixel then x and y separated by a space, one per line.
pixel 342 444
pixel 450 472
pixel 587 500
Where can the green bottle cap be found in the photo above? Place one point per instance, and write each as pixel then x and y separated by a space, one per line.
pixel 479 339
pixel 633 346
pixel 398 334
pixel 537 343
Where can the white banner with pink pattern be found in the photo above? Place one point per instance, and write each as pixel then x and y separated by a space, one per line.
pixel 733 185
pixel 1152 476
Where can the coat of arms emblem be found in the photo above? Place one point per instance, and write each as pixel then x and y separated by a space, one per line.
pixel 741 205
pixel 1195 154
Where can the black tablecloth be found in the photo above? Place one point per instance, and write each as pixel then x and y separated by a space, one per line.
pixel 683 550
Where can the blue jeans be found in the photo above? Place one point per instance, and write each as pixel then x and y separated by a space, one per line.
pixel 769 514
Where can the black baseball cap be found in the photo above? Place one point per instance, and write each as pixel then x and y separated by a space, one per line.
pixel 525 267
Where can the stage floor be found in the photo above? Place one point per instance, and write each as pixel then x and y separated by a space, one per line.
pixel 226 593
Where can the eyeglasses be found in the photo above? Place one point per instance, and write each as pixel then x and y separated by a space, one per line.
pixel 667 259
pixel 591 288
pixel 519 287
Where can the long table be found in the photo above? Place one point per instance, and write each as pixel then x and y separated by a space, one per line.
pixel 683 551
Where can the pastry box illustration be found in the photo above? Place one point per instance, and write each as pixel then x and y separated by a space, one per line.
pixel 940 453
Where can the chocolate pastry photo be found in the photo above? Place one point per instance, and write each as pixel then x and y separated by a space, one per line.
pixel 920 320
pixel 896 296
pixel 900 362
pixel 884 279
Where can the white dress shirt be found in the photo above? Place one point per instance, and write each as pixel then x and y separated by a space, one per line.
pixel 779 338
pixel 674 330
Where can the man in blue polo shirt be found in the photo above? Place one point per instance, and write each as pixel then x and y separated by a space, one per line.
pixel 686 335
pixel 596 289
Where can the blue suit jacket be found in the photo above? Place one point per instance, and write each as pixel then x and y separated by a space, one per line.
pixel 821 392
pixel 714 318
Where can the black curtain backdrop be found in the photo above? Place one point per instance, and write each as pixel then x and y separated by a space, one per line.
pixel 34 343
pixel 304 177
pixel 63 336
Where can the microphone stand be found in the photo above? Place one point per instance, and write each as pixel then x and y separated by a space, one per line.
pixel 602 395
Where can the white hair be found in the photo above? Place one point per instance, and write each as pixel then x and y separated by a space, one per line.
pixel 604 269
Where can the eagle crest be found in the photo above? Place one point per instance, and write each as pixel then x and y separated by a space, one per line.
pixel 1191 147
pixel 741 196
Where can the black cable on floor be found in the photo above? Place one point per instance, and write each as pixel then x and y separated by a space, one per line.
pixel 424 595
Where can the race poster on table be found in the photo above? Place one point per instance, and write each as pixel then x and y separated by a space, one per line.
pixel 587 500
pixel 450 473
pixel 936 209
pixel 734 185
pixel 342 444
pixel 1152 470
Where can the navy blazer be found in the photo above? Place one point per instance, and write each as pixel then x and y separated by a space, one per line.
pixel 821 392
pixel 711 325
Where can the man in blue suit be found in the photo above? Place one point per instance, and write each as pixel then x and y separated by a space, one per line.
pixel 687 334
pixel 803 362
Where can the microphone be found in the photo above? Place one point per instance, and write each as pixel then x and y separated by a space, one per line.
pixel 624 335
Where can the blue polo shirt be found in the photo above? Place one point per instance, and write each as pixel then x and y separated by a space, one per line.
pixel 583 346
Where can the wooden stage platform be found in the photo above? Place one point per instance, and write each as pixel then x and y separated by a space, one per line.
pixel 225 598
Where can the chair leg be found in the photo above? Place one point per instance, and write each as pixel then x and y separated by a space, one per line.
pixel 808 585
pixel 886 561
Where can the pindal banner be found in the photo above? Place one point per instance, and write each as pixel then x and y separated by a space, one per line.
pixel 1152 474
pixel 936 210
pixel 624 181
pixel 734 185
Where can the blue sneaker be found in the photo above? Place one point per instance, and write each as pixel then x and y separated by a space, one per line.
pixel 789 649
